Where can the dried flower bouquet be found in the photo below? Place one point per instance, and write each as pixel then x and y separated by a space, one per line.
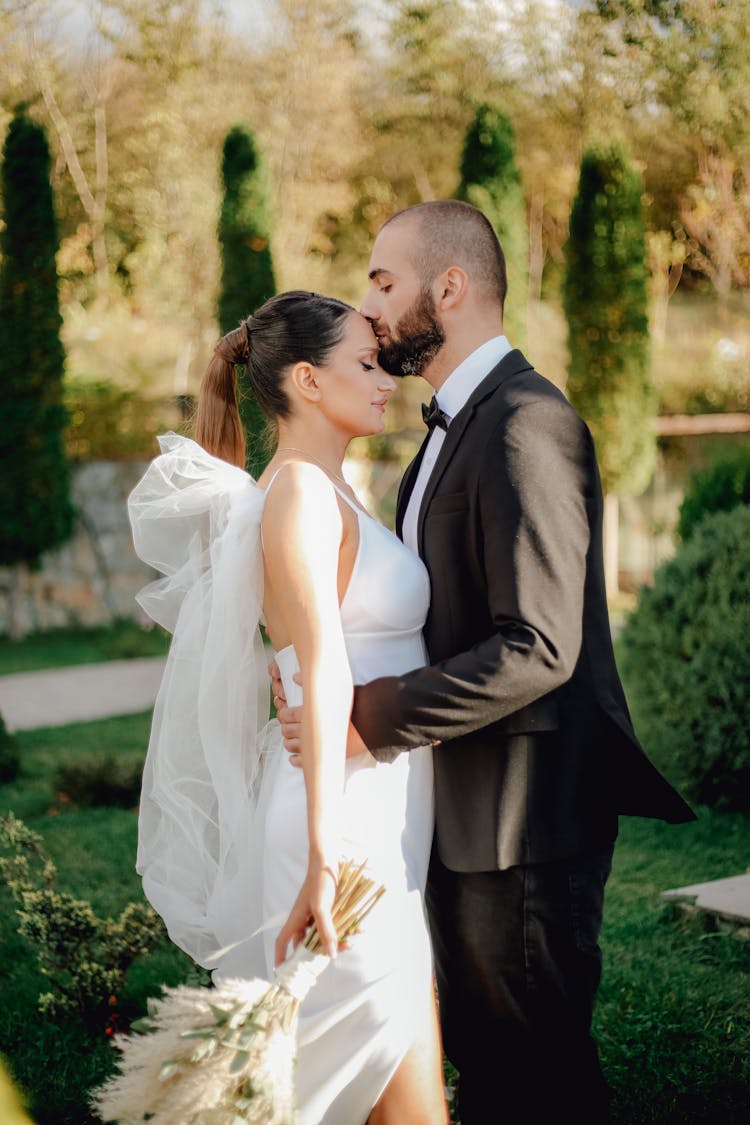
pixel 226 1056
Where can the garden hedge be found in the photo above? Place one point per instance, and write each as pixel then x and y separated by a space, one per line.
pixel 686 663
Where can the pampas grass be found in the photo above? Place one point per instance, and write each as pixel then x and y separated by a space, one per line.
pixel 210 1058
pixel 226 1056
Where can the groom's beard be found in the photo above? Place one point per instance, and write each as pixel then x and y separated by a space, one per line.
pixel 419 336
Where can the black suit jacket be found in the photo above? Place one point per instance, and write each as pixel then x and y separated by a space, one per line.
pixel 537 753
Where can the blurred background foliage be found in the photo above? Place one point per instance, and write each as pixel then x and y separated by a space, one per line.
pixel 360 109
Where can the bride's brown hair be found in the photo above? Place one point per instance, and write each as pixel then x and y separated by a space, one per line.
pixel 290 328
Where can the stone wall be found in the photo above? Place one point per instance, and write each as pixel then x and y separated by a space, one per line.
pixel 646 531
pixel 94 577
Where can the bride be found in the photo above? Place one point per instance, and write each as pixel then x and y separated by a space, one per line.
pixel 233 840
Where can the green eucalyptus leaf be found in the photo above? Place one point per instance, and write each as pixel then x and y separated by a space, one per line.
pixel 238 1019
pixel 239 1062
pixel 245 1039
pixel 169 1069
pixel 204 1051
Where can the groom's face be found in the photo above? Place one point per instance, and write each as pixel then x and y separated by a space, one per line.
pixel 400 307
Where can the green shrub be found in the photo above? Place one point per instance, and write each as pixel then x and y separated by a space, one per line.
pixel 718 488
pixel 605 298
pixel 111 423
pixel 491 181
pixel 686 662
pixel 60 647
pixel 10 756
pixel 36 513
pixel 125 640
pixel 84 958
pixel 100 781
pixel 247 275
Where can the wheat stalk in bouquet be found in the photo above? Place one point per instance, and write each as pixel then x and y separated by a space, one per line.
pixel 226 1056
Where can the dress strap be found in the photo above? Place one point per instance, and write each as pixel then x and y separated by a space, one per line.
pixel 347 499
pixel 268 487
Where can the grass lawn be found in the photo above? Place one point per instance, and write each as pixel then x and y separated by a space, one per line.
pixel 58 648
pixel 673 1019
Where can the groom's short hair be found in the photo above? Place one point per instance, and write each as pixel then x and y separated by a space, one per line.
pixel 452 233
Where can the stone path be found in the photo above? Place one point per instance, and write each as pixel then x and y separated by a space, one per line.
pixel 729 898
pixel 78 694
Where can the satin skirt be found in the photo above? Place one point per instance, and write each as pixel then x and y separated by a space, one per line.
pixel 360 1018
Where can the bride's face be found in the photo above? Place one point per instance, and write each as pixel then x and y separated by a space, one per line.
pixel 354 389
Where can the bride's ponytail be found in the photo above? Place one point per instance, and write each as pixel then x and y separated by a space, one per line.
pixel 218 427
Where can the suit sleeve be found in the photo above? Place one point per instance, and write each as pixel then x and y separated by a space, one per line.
pixel 537 472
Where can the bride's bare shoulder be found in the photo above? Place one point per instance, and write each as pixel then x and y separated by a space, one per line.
pixel 301 503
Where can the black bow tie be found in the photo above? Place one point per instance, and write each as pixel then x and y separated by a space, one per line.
pixel 434 416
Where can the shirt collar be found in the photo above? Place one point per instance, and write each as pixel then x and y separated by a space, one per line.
pixel 464 379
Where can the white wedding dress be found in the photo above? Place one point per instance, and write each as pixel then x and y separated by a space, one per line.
pixel 222 829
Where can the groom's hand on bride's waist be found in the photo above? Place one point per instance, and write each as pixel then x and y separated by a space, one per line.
pixel 290 719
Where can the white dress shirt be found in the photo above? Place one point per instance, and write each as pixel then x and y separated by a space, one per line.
pixel 454 393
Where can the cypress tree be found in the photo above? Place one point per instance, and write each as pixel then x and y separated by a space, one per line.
pixel 606 305
pixel 35 509
pixel 247 278
pixel 490 180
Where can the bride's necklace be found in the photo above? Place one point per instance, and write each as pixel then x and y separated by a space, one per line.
pixel 330 472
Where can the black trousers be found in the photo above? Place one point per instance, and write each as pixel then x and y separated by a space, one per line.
pixel 518 965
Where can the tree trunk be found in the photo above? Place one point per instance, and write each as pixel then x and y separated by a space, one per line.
pixel 94 206
pixel 611 545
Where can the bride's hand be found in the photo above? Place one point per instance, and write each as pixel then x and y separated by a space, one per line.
pixel 313 904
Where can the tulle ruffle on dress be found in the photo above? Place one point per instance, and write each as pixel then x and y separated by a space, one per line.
pixel 196 519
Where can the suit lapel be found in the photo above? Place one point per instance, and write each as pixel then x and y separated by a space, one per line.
pixel 511 364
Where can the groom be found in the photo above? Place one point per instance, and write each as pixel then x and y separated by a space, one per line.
pixel 536 755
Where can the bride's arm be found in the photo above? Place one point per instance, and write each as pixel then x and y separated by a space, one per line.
pixel 302 533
